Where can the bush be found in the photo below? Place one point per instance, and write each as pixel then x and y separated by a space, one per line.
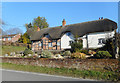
pixel 78 55
pixel 67 53
pixel 109 46
pixel 103 54
pixel 27 51
pixel 76 46
pixel 8 53
pixel 46 54
pixel 84 51
pixel 91 52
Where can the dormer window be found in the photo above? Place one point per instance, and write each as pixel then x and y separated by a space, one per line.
pixel 47 36
pixel 68 33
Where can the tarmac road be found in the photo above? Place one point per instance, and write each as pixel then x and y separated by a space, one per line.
pixel 13 75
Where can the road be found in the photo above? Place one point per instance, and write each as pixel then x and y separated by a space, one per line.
pixel 12 75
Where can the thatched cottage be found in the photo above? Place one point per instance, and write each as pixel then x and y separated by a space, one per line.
pixel 93 33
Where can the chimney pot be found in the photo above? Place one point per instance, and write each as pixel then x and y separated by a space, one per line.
pixel 63 22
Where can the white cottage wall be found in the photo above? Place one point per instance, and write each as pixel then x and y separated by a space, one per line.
pixel 65 41
pixel 94 37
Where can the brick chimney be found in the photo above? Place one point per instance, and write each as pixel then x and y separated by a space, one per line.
pixel 63 22
pixel 38 29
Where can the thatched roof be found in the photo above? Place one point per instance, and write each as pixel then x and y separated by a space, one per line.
pixel 79 29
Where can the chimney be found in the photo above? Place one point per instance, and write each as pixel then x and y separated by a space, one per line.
pixel 63 22
pixel 38 29
pixel 100 18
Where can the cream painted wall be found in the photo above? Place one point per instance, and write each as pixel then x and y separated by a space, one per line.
pixel 93 39
pixel 65 41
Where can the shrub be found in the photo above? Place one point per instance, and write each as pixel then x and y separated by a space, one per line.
pixel 67 53
pixel 84 51
pixel 8 53
pixel 46 54
pixel 78 55
pixel 76 46
pixel 109 46
pixel 27 51
pixel 91 52
pixel 103 54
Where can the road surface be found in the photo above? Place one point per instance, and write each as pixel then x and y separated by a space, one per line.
pixel 13 75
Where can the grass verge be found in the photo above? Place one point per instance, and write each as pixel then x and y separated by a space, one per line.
pixel 107 75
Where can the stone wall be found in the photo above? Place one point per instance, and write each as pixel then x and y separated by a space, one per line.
pixel 85 64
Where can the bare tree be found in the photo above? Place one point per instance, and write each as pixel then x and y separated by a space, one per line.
pixel 2 22
pixel 14 31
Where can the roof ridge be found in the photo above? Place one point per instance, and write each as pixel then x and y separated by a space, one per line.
pixel 88 21
pixel 78 28
pixel 75 23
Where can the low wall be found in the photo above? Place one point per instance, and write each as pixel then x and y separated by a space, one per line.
pixel 85 64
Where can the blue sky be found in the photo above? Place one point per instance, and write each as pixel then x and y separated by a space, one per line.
pixel 17 14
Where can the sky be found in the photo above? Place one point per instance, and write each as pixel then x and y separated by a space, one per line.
pixel 17 14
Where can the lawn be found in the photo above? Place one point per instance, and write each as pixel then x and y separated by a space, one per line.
pixel 107 75
pixel 8 49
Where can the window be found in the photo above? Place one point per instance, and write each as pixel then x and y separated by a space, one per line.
pixel 9 38
pixel 4 39
pixel 39 44
pixel 47 36
pixel 50 44
pixel 58 43
pixel 70 42
pixel 101 41
pixel 68 33
pixel 42 44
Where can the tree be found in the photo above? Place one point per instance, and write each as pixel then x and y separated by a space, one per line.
pixel 25 38
pixel 37 22
pixel 28 26
pixel 2 22
pixel 14 31
pixel 40 22
pixel 2 32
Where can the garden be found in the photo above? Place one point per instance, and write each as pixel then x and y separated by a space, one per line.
pixel 77 52
pixel 97 64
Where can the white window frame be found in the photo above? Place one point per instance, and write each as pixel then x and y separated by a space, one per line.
pixel 50 44
pixel 101 41
pixel 4 39
pixel 58 43
pixel 9 38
